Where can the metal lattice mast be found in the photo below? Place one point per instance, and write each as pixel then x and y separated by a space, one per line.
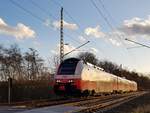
pixel 61 37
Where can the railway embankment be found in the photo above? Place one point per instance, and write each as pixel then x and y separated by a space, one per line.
pixel 137 105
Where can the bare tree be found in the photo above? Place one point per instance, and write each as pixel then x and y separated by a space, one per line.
pixel 2 64
pixel 54 62
pixel 11 60
pixel 34 64
pixel 15 59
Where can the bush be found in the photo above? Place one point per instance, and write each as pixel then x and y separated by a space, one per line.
pixel 27 90
pixel 142 109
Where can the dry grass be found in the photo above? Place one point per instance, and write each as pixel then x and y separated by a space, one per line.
pixel 142 109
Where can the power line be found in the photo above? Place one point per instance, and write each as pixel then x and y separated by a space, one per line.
pixel 76 48
pixel 141 45
pixel 118 35
pixel 76 21
pixel 103 16
pixel 69 15
pixel 100 49
pixel 42 9
pixel 39 18
pixel 106 20
pixel 35 16
pixel 27 11
pixel 47 13
pixel 72 38
pixel 109 15
pixel 108 23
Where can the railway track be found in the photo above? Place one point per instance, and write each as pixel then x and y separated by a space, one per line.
pixel 81 105
pixel 60 101
pixel 102 104
pixel 49 102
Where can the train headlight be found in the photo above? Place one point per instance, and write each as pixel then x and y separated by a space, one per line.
pixel 57 80
pixel 70 81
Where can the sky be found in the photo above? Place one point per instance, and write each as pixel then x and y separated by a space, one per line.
pixel 105 23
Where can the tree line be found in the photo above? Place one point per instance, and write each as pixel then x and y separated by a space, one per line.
pixel 20 65
pixel 30 66
pixel 30 77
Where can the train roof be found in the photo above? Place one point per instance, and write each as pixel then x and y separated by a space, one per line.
pixel 87 63
pixel 94 66
pixel 72 58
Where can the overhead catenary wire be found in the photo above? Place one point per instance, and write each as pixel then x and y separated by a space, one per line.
pixel 110 16
pixel 74 20
pixel 66 12
pixel 107 21
pixel 42 9
pixel 37 17
pixel 76 48
pixel 46 12
pixel 102 15
pixel 133 59
pixel 53 18
pixel 79 32
pixel 72 38
pixel 107 12
pixel 27 11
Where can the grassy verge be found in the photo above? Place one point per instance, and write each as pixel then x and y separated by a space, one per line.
pixel 142 109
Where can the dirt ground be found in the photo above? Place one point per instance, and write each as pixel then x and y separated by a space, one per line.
pixel 134 106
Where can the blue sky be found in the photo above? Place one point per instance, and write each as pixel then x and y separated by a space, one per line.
pixel 39 30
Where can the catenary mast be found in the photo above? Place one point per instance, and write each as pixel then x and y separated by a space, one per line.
pixel 61 37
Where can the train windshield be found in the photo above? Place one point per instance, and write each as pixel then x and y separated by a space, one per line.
pixel 68 67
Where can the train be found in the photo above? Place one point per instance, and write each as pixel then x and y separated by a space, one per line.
pixel 75 76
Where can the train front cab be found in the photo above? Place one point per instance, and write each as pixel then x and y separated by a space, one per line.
pixel 67 78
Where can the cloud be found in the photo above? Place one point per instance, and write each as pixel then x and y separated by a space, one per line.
pixel 20 31
pixel 114 42
pixel 93 50
pixel 54 52
pixel 70 26
pixel 136 26
pixel 47 23
pixel 82 39
pixel 67 48
pixel 37 44
pixel 95 32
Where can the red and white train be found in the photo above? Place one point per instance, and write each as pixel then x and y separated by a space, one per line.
pixel 76 76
